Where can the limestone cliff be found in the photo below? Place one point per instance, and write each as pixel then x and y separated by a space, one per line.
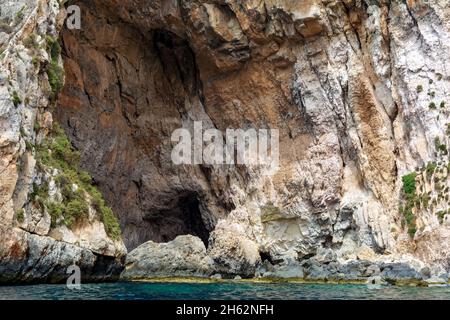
pixel 358 90
pixel 51 216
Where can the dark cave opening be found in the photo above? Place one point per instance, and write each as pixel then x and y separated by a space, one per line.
pixel 184 218
pixel 193 218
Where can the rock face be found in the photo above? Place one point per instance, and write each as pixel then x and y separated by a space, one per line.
pixel 38 239
pixel 357 90
pixel 185 256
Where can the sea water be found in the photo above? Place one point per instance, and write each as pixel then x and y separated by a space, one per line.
pixel 221 290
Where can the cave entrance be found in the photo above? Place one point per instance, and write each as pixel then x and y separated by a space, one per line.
pixel 184 218
pixel 122 99
pixel 192 218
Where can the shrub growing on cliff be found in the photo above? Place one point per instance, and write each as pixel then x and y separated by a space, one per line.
pixel 20 14
pixel 432 106
pixel 76 210
pixel 56 211
pixel 20 215
pixel 55 73
pixel 419 88
pixel 39 195
pixel 441 214
pixel 36 62
pixel 16 99
pixel 409 190
pixel 440 147
pixel 54 48
pixel 112 227
pixel 5 27
pixel 75 185
pixel 31 41
pixel 431 167
pixel 55 78
pixel 409 183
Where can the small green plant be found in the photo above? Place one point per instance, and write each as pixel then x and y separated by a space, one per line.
pixel 20 215
pixel 440 147
pixel 85 178
pixel 419 88
pixel 16 99
pixel 270 212
pixel 36 62
pixel 430 81
pixel 412 229
pixel 442 104
pixel 111 224
pixel 409 183
pixel 77 209
pixel 432 106
pixel 23 134
pixel 40 194
pixel 431 167
pixel 55 75
pixel 36 126
pixel 29 146
pixel 441 214
pixel 54 71
pixel 31 42
pixel 21 13
pixel 5 27
pixel 54 48
pixel 56 211
pixel 439 76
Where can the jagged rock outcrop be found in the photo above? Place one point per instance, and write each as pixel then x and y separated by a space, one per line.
pixel 357 90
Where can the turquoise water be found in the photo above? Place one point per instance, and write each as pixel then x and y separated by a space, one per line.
pixel 245 291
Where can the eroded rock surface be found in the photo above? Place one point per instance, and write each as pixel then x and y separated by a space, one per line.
pixel 185 256
pixel 357 89
pixel 35 244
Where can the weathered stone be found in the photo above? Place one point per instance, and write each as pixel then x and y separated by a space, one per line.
pixel 232 252
pixel 28 250
pixel 393 272
pixel 185 256
pixel 354 88
pixel 285 271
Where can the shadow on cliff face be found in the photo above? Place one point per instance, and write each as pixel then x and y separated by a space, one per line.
pixel 178 60
pixel 125 92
